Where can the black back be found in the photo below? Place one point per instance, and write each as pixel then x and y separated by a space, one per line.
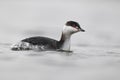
pixel 50 43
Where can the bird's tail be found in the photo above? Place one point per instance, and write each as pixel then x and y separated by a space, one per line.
pixel 21 46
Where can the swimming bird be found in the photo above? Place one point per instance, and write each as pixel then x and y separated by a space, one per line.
pixel 45 43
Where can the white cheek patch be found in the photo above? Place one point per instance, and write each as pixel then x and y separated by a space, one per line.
pixel 69 29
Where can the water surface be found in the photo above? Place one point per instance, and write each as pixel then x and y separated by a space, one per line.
pixel 86 63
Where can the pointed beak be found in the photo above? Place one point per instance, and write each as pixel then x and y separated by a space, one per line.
pixel 82 30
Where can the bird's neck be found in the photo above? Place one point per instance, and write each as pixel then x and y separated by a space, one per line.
pixel 65 41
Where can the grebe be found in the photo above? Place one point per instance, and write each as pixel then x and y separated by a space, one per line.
pixel 44 43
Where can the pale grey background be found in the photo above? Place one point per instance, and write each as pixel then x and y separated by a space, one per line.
pixel 96 53
pixel 100 19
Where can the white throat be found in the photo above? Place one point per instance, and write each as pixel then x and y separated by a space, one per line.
pixel 66 35
pixel 66 43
